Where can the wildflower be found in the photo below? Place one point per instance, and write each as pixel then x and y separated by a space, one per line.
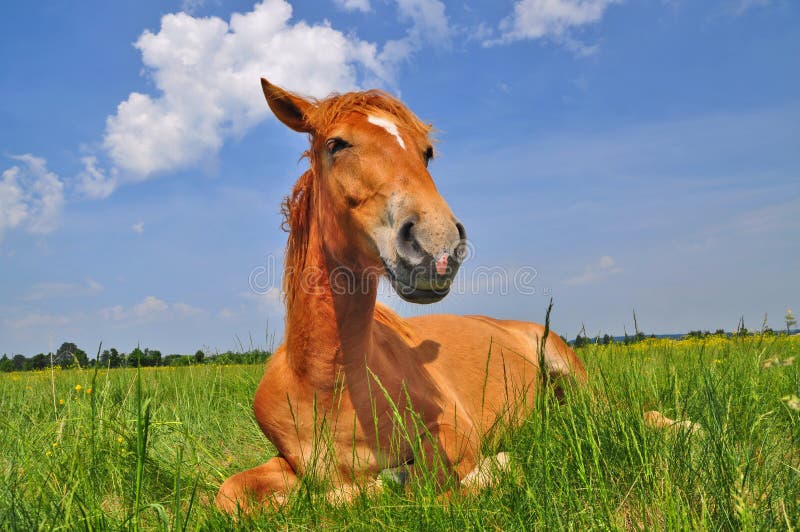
pixel 119 439
pixel 88 390
pixel 792 401
pixel 61 401
pixel 78 387
pixel 55 444
pixel 48 453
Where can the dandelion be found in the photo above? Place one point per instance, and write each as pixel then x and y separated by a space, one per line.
pixel 61 401
pixel 48 453
pixel 88 390
pixel 119 439
pixel 55 444
pixel 78 387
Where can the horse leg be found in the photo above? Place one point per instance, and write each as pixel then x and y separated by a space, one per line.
pixel 445 456
pixel 269 483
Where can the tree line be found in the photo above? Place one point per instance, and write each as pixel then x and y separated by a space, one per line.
pixel 70 355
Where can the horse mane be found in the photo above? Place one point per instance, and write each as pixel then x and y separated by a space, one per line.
pixel 298 207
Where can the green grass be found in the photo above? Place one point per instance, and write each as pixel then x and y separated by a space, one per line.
pixel 151 452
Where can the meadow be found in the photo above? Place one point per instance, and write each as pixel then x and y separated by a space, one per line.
pixel 128 448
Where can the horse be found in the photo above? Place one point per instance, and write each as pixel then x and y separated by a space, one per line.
pixel 355 389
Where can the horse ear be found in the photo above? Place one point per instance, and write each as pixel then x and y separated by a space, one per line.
pixel 290 109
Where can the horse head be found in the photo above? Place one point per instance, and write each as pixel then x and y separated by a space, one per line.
pixel 369 191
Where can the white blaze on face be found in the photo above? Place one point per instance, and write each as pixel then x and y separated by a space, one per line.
pixel 389 126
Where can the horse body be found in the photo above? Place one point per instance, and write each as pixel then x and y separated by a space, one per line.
pixel 356 389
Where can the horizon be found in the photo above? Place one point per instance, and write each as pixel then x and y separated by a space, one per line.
pixel 611 155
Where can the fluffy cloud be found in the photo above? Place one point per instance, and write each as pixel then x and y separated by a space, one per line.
pixel 49 290
pixel 150 309
pixel 30 196
pixel 206 71
pixel 551 19
pixel 93 182
pixel 138 228
pixel 604 267
pixel 353 5
pixel 429 25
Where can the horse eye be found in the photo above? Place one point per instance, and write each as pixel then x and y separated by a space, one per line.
pixel 428 155
pixel 335 144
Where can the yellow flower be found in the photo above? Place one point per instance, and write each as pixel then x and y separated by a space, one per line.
pixel 48 453
pixel 88 390
pixel 119 439
pixel 78 387
pixel 55 444
pixel 61 401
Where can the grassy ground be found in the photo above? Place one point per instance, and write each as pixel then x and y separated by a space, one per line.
pixel 79 450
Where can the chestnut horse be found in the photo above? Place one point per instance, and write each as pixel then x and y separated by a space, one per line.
pixel 355 388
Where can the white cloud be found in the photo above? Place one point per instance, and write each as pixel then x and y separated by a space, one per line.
pixel 138 228
pixel 601 269
pixel 30 196
pixel 150 309
pixel 191 6
pixel 49 290
pixel 185 310
pixel 353 5
pixel 429 25
pixel 740 7
pixel 206 72
pixel 37 320
pixel 150 306
pixel 551 19
pixel 93 182
pixel 226 314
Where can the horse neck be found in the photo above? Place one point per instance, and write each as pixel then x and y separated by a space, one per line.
pixel 328 325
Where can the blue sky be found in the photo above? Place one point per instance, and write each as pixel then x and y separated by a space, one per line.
pixel 615 155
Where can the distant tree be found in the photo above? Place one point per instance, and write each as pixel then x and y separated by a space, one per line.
pixel 111 358
pixel 6 364
pixel 580 341
pixel 720 332
pixel 199 356
pixel 153 357
pixel 790 320
pixel 136 358
pixel 607 340
pixel 20 362
pixel 69 355
pixel 39 361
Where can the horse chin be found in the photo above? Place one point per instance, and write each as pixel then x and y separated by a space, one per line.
pixel 419 295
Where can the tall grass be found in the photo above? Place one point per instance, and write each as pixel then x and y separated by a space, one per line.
pixel 144 449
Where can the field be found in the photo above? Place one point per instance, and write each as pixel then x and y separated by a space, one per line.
pixel 78 449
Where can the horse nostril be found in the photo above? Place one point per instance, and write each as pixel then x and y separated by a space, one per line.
pixel 405 232
pixel 407 243
pixel 462 233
